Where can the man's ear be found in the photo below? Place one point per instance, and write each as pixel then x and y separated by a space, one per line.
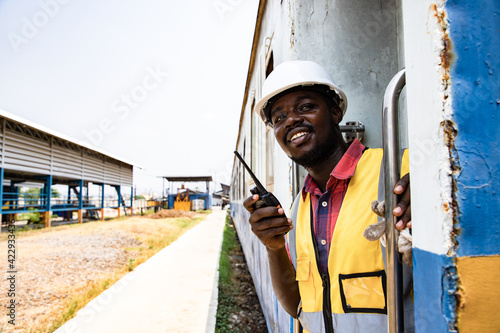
pixel 337 114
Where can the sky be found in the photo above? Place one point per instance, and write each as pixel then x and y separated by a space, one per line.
pixel 156 83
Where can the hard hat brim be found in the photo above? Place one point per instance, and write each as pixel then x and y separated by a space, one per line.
pixel 261 104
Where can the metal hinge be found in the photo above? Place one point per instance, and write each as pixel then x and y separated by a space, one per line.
pixel 353 130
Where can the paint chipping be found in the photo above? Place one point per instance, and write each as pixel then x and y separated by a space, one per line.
pixel 451 297
pixel 450 133
pixel 446 52
pixel 448 127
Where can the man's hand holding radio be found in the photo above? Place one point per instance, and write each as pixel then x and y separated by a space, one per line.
pixel 269 224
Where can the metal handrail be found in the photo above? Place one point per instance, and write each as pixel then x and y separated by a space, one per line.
pixel 390 139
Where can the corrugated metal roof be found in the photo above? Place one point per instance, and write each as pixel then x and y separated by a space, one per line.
pixel 51 132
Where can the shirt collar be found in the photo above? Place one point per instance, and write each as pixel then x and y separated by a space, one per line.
pixel 343 170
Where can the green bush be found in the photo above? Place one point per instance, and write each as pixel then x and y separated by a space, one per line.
pixel 33 216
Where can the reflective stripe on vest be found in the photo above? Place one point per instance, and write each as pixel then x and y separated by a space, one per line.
pixel 312 322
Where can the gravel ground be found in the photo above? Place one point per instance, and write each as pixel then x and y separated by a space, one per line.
pixel 248 316
pixel 52 264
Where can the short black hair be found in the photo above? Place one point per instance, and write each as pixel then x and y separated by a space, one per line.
pixel 331 97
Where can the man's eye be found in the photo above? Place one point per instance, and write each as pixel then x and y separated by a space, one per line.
pixel 306 107
pixel 278 118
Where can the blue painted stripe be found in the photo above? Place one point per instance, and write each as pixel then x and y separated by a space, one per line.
pixel 434 287
pixel 475 83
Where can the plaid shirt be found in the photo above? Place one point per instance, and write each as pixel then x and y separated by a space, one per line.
pixel 326 206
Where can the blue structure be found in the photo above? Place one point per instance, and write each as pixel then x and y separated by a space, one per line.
pixel 37 159
pixel 193 195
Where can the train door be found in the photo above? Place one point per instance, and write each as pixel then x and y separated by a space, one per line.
pixel 362 47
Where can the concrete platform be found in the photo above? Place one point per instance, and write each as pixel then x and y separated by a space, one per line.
pixel 174 291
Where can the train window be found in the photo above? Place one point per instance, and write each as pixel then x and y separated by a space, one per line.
pixel 243 184
pixel 270 64
pixel 270 135
pixel 254 119
pixel 270 160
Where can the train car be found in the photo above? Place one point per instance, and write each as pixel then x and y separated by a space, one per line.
pixel 449 113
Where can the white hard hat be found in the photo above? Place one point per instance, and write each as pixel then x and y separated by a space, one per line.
pixel 297 73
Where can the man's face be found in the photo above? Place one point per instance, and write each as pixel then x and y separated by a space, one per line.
pixel 305 127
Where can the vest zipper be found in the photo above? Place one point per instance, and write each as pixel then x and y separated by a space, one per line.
pixel 327 306
pixel 325 278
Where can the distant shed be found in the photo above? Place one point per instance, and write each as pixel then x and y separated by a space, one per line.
pixel 192 195
pixel 32 156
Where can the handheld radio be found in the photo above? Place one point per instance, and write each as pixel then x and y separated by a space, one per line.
pixel 265 198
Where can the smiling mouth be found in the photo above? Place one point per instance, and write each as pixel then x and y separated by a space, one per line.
pixel 298 135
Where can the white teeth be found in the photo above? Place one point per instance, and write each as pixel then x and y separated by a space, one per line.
pixel 298 135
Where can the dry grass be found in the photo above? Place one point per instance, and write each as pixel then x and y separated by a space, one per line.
pixel 63 268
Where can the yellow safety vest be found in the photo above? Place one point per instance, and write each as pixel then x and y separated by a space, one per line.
pixel 356 273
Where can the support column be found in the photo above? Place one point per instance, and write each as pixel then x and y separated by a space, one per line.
pixel 131 201
pixel 49 197
pixel 80 202
pixel 46 218
pixel 208 202
pixel 15 196
pixel 118 189
pixel 102 202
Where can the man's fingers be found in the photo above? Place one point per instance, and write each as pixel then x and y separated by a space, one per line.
pixel 405 220
pixel 249 203
pixel 269 218
pixel 270 230
pixel 402 206
pixel 271 223
pixel 266 212
pixel 404 202
pixel 402 184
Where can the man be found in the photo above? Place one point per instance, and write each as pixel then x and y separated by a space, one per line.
pixel 331 278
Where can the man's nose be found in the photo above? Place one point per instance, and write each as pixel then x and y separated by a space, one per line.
pixel 293 119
